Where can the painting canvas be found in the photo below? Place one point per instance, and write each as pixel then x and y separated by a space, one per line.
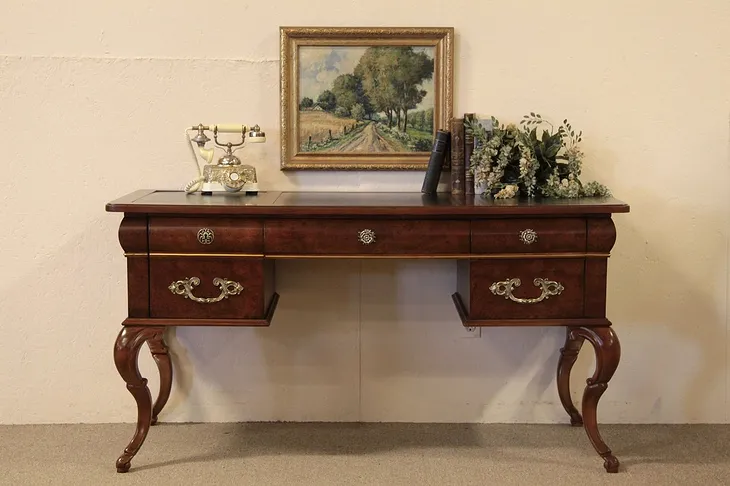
pixel 357 98
pixel 366 99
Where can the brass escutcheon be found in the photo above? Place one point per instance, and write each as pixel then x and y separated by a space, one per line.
pixel 206 236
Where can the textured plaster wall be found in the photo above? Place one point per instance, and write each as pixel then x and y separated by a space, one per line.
pixel 94 97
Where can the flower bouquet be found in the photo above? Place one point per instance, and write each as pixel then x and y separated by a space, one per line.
pixel 511 161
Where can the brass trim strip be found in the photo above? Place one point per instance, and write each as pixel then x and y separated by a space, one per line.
pixel 543 255
pixel 367 257
pixel 450 257
pixel 388 256
pixel 227 255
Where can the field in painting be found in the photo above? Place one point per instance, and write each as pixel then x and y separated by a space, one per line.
pixel 319 124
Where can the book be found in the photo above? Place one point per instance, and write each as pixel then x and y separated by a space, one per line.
pixel 458 173
pixel 436 162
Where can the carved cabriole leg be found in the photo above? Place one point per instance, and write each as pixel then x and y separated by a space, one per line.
pixel 608 352
pixel 126 352
pixel 160 353
pixel 568 356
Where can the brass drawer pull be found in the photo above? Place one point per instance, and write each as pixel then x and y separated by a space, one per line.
pixel 506 287
pixel 528 236
pixel 185 288
pixel 366 236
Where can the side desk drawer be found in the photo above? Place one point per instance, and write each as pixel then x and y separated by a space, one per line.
pixel 207 287
pixel 358 237
pixel 497 294
pixel 529 235
pixel 206 235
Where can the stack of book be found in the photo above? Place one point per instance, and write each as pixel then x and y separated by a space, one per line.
pixel 458 144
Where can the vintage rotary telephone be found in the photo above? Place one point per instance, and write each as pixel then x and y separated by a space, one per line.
pixel 228 174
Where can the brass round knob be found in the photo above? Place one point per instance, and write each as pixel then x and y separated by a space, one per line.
pixel 528 236
pixel 366 236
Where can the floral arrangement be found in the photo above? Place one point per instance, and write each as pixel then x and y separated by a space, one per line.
pixel 509 161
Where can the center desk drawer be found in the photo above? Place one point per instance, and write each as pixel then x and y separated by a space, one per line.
pixel 206 235
pixel 529 235
pixel 364 237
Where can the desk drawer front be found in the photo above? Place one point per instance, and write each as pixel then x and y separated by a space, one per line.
pixel 508 289
pixel 529 235
pixel 364 237
pixel 206 235
pixel 207 287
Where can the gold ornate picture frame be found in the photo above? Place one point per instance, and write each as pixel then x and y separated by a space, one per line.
pixel 362 98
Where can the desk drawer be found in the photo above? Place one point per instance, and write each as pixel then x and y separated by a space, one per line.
pixel 495 294
pixel 206 235
pixel 365 237
pixel 239 294
pixel 529 235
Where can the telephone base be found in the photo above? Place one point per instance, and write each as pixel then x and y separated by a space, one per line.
pixel 210 188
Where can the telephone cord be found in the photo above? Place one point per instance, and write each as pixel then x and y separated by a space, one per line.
pixel 196 183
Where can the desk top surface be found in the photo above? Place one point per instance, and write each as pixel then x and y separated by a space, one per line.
pixel 355 204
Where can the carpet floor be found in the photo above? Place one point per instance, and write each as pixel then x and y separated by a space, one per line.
pixel 325 454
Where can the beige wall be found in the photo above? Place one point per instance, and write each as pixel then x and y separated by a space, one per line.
pixel 94 97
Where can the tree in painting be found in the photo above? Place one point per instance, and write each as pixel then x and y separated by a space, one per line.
pixel 374 99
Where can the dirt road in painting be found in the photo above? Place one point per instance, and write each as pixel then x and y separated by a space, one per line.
pixel 370 140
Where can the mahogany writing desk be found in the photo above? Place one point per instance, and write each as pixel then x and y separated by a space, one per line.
pixel 196 260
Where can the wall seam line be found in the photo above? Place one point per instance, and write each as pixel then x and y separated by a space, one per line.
pixel 137 58
pixel 727 301
pixel 359 346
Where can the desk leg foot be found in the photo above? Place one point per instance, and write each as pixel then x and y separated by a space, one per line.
pixel 610 463
pixel 608 353
pixel 568 356
pixel 161 355
pixel 126 352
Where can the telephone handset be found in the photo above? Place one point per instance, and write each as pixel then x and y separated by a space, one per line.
pixel 228 174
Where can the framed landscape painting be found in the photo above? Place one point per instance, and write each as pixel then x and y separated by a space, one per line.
pixel 361 98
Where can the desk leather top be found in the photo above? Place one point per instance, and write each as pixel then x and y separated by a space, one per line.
pixel 337 204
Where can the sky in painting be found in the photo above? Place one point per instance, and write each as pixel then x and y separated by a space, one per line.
pixel 320 65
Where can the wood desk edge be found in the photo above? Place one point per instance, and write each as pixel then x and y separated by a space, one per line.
pixel 444 205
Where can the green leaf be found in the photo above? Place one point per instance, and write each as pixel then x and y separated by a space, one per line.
pixel 552 151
